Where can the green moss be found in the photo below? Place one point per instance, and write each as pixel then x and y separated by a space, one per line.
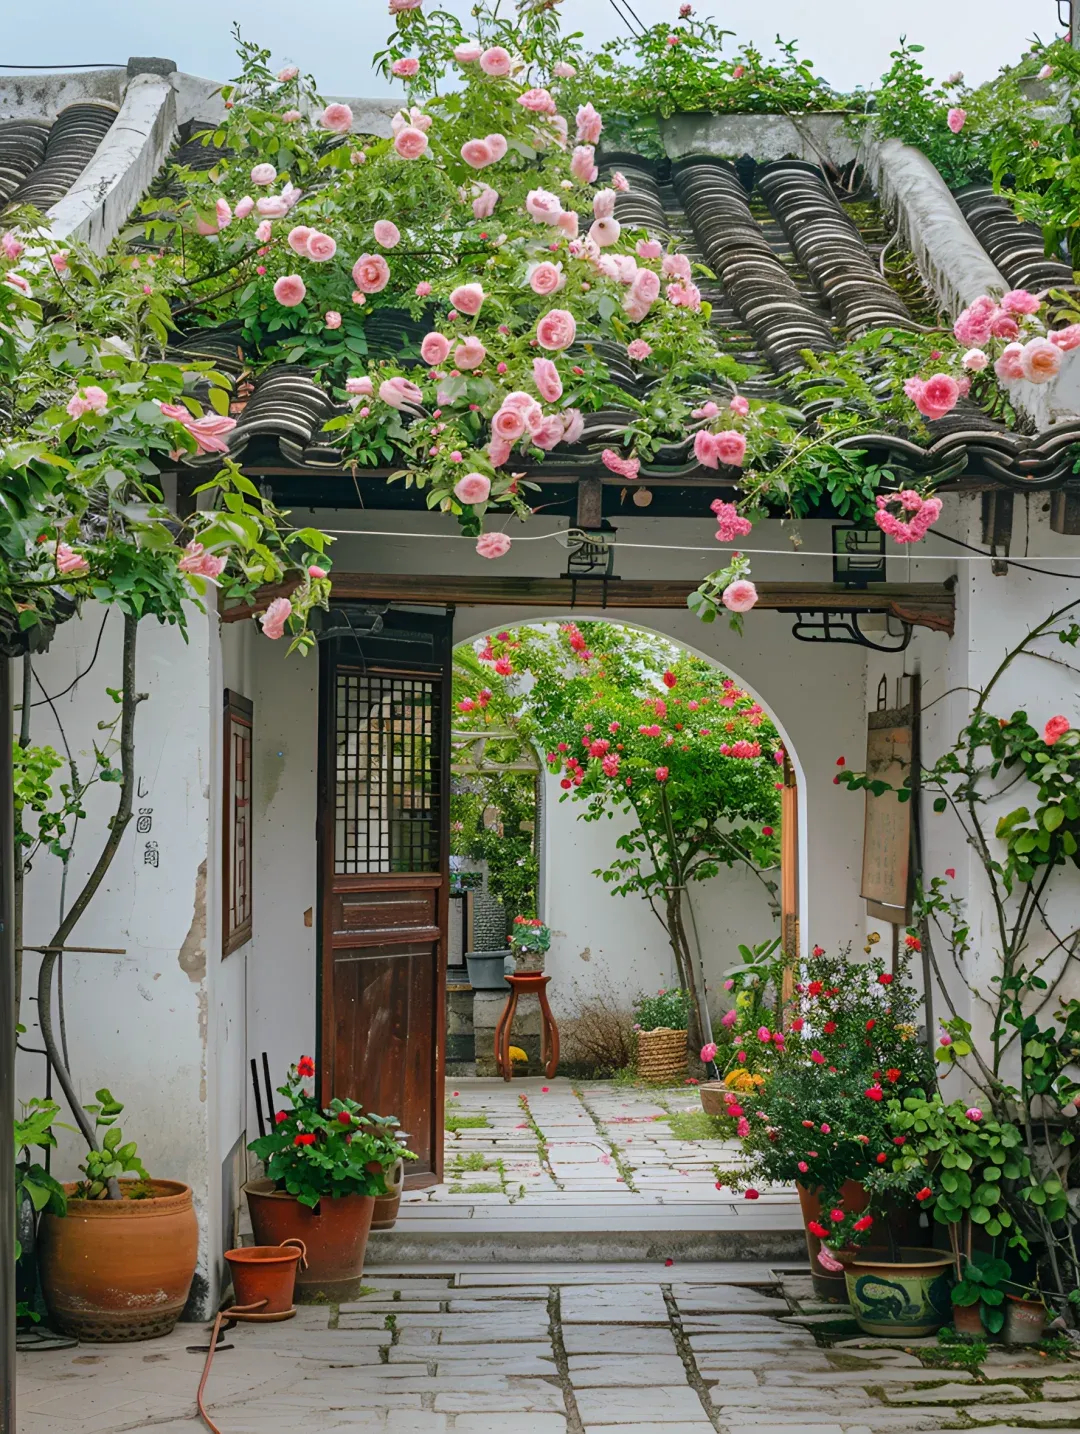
pixel 696 1125
pixel 466 1122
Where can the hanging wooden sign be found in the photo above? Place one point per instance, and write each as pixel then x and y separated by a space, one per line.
pixel 887 832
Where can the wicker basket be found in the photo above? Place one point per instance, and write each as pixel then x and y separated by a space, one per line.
pixel 662 1054
pixel 714 1097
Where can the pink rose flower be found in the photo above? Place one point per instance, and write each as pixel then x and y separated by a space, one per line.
pixel 508 425
pixel 263 175
pixel 337 117
pixel 956 119
pixel 399 391
pixel 371 273
pixel 567 223
pixel 638 350
pixel 538 101
pixel 272 206
pixel 708 1052
pixel 197 562
pixel 687 296
pixel 492 545
pixel 208 431
pixel 546 278
pixel 934 398
pixel 556 330
pixel 434 349
pixel 298 237
pixel 264 232
pixel 974 1113
pixel 470 353
pixel 583 164
pixel 332 319
pixel 498 144
pixel 730 522
pixel 729 1018
pixel 1009 364
pixel 321 247
pixel 467 299
pixel 562 70
pixel 547 380
pixel 59 260
pixel 223 213
pixel 91 399
pixel 11 246
pixel 483 206
pixel 17 281
pixel 1004 326
pixel 274 618
pixel 625 467
pixel 472 488
pixel 423 289
pixel 289 290
pixel 1020 301
pixel 495 62
pixel 548 433
pixel 739 405
pixel 605 232
pixel 290 116
pixel 387 233
pixel 975 360
pixel 244 207
pixel 290 72
pixel 603 205
pixel 468 54
pixel 589 125
pixel 573 424
pixel 1040 360
pixel 314 571
pixel 477 153
pixel 69 562
pixel 1067 338
pixel 360 386
pixel 1046 72
pixel 1055 729
pixel 410 142
pixel 397 7
pixel 740 596
pixel 405 69
pixel 649 249
pixel 543 206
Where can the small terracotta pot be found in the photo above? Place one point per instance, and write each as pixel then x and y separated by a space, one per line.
pixel 853 1197
pixel 1025 1320
pixel 266 1272
pixel 119 1270
pixel 715 1097
pixel 387 1206
pixel 334 1232
pixel 967 1319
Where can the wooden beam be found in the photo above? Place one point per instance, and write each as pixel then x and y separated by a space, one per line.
pixel 929 605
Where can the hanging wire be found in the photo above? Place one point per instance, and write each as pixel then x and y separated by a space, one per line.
pixel 623 18
pixel 1066 18
pixel 102 65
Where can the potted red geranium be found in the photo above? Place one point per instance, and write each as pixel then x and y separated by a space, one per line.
pixel 324 1166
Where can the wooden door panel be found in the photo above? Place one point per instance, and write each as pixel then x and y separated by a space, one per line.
pixel 384 852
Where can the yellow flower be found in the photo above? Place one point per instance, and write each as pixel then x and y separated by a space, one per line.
pixel 517 1054
pixel 743 1080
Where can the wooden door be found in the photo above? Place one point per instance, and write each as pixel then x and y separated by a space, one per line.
pixel 385 876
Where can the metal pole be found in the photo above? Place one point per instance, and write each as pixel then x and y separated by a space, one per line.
pixel 7 1058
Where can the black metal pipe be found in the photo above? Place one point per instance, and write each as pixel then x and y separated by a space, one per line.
pixel 7 1057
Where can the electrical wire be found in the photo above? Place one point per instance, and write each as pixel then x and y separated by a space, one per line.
pixel 79 676
pixel 85 65
pixel 622 17
pixel 1012 562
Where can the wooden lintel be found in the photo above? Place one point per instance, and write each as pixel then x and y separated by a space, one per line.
pixel 929 605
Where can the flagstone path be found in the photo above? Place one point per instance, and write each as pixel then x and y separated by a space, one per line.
pixel 650 1349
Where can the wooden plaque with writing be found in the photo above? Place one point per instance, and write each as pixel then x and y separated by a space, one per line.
pixel 887 832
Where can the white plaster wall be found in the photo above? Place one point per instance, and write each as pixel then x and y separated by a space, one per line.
pixel 139 1023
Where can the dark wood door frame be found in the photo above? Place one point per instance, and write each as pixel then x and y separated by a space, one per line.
pixel 382 930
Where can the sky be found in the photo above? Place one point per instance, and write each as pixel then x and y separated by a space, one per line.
pixel 848 40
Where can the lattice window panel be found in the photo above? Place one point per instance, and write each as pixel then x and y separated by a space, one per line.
pixel 387 780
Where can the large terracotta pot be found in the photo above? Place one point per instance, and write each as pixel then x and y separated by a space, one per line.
pixel 1025 1320
pixel 335 1233
pixel 117 1270
pixel 908 1299
pixel 831 1288
pixel 387 1206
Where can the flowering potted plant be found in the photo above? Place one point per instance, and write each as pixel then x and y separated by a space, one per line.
pixel 324 1166
pixel 529 941
pixel 660 1023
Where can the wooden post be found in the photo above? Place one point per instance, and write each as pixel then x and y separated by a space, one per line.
pixel 7 1057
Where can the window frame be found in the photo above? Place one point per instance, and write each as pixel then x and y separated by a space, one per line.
pixel 239 711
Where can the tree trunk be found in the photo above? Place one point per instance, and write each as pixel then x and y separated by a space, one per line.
pixel 684 963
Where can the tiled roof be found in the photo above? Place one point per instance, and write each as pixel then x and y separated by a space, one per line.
pixel 39 163
pixel 1015 246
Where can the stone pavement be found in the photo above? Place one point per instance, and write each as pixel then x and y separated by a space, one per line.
pixel 650 1349
pixel 587 1170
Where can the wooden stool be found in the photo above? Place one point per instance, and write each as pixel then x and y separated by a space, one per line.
pixel 530 983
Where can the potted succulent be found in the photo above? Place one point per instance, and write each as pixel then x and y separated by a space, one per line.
pixel 324 1166
pixel 118 1264
pixel 529 941
pixel 661 1024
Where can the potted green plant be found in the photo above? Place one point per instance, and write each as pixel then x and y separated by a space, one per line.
pixel 529 941
pixel 35 1190
pixel 324 1167
pixel 978 1298
pixel 661 1023
pixel 117 1263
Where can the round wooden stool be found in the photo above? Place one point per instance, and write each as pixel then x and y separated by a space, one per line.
pixel 529 983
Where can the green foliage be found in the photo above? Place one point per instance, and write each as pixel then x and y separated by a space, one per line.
pixel 982 1285
pixel 667 1010
pixel 315 1152
pixel 34 1131
pixel 697 1125
pixel 116 1157
pixel 454 1123
pixel 529 936
pixel 493 819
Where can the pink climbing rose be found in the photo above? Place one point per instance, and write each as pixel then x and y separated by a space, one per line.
pixel 274 618
pixel 371 273
pixel 624 467
pixel 69 562
pixel 589 125
pixel 289 290
pixel 477 153
pixel 547 380
pixel 320 247
pixel 493 545
pixel 638 350
pixel 386 233
pixel 467 299
pixel 472 488
pixel 399 391
pixel 956 119
pixel 337 117
pixel 740 596
pixel 495 62
pixel 556 330
pixel 410 142
pixel 434 348
pixel 1040 360
pixel 1055 729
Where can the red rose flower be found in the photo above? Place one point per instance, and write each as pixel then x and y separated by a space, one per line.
pixel 882 1158
pixel 819 951
pixel 281 1115
pixel 797 1024
pixel 899 1140
pixel 836 1216
pixel 344 1117
pixel 305 1067
pixel 864 1223
pixel 670 679
pixel 924 1194
pixel 892 1075
pixel 815 988
pixel 885 979
pixel 817 1228
pixel 912 943
pixel 871 1024
pixel 840 761
pixel 829 1028
pixel 751 1194
pixel 303 1139
pixel 874 1092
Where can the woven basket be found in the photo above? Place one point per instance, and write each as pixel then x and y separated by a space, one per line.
pixel 661 1054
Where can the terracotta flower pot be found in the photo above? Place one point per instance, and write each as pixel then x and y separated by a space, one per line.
pixel 967 1319
pixel 117 1270
pixel 387 1206
pixel 907 1299
pixel 265 1273
pixel 334 1232
pixel 854 1198
pixel 714 1097
pixel 1025 1320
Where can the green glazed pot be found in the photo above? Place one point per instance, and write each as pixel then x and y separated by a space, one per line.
pixel 908 1299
